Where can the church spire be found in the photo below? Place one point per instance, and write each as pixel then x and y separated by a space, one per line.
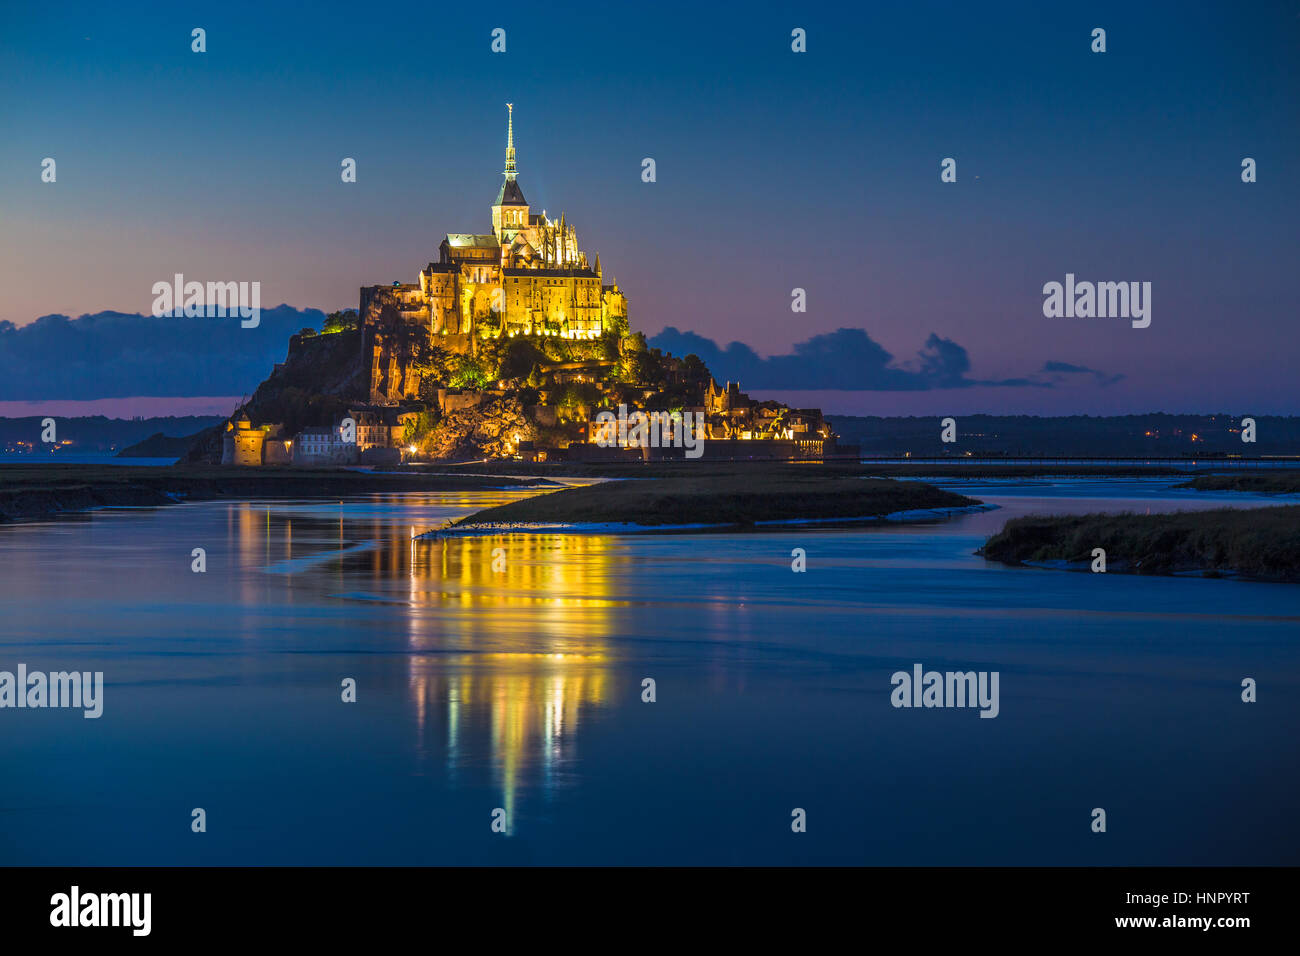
pixel 510 194
pixel 510 142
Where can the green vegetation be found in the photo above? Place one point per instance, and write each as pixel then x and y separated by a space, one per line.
pixel 1269 483
pixel 524 368
pixel 1259 542
pixel 471 373
pixel 344 321
pixel 418 427
pixel 735 496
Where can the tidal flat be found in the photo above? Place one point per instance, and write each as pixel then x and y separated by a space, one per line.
pixel 736 497
pixel 43 490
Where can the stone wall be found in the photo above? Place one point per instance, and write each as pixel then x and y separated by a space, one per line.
pixel 277 451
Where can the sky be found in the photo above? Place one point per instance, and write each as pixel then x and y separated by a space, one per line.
pixel 775 170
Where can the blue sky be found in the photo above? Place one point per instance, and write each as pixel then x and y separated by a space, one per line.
pixel 775 170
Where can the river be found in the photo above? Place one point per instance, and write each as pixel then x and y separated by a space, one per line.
pixel 504 673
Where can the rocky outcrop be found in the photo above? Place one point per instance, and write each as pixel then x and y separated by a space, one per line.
pixel 491 430
pixel 320 377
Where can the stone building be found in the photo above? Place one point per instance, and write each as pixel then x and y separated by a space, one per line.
pixel 732 414
pixel 324 446
pixel 528 276
pixel 243 442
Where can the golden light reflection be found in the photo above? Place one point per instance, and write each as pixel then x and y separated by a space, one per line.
pixel 508 634
pixel 526 709
pixel 532 612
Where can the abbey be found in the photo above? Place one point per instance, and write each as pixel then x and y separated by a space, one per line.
pixel 527 276
pixel 513 343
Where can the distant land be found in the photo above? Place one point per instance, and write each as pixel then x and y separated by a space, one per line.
pixel 158 445
pixel 95 433
pixel 1158 434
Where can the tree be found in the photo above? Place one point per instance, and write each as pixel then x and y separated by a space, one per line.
pixel 470 374
pixel 340 321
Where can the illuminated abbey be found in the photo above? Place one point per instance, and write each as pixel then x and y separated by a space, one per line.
pixel 511 344
pixel 526 277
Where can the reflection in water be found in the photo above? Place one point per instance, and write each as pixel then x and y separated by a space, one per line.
pixel 527 676
pixel 530 705
pixel 508 634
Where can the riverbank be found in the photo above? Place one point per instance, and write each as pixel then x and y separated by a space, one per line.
pixel 737 496
pixel 30 492
pixel 1261 543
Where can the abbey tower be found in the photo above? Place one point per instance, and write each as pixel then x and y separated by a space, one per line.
pixel 528 276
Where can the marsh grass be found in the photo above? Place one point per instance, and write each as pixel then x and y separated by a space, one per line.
pixel 1257 542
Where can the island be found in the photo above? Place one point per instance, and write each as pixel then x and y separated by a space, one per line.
pixel 1259 543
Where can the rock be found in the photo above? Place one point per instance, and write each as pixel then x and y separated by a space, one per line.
pixel 492 430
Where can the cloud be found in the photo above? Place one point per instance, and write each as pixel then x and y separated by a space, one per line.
pixel 849 360
pixel 1060 369
pixel 118 354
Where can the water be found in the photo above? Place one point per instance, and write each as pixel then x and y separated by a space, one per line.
pixel 1209 464
pixel 80 458
pixel 521 690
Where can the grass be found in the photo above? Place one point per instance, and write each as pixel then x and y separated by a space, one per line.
pixel 727 496
pixel 1257 542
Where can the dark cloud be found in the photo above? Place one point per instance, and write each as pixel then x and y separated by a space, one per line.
pixel 1059 369
pixel 847 359
pixel 117 354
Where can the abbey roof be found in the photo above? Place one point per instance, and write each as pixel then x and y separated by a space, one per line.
pixel 464 240
pixel 510 194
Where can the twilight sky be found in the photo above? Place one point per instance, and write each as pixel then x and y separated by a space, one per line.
pixel 775 170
